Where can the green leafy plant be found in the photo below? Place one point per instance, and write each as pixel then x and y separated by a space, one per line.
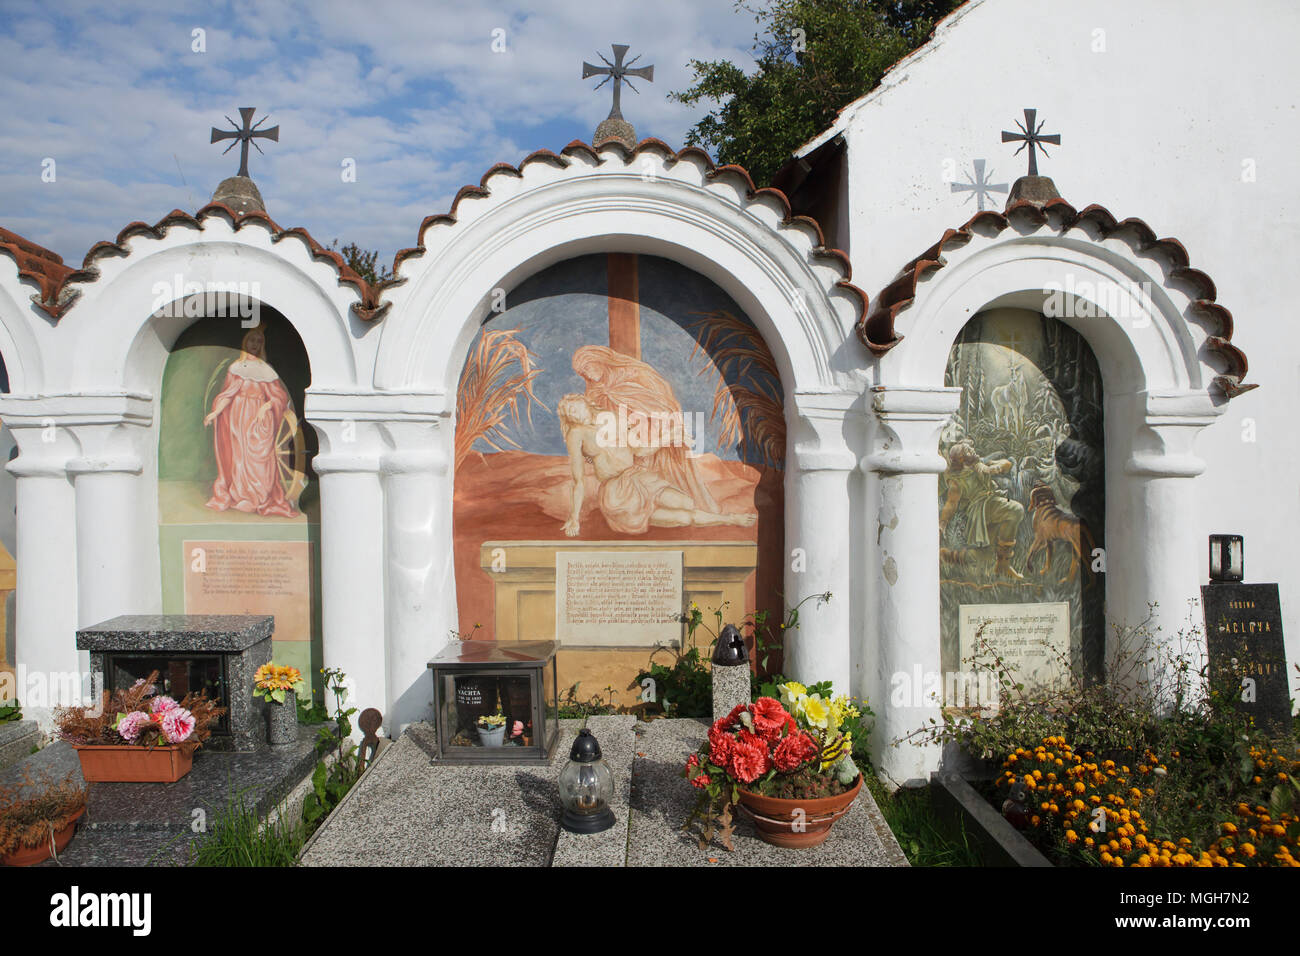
pixel 571 707
pixel 11 711
pixel 331 782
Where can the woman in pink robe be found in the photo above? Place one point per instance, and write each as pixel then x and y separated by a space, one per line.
pixel 247 414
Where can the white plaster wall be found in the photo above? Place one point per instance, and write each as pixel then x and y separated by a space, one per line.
pixel 1159 126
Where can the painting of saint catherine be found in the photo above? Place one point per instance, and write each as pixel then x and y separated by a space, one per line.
pixel 617 398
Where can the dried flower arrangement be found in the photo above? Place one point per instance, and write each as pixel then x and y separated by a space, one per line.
pixel 138 716
pixel 31 814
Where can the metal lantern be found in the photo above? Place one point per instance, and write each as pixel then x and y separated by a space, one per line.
pixel 1227 557
pixel 586 786
pixel 730 649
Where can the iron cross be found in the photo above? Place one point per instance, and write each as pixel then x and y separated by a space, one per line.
pixel 1032 137
pixel 245 136
pixel 978 185
pixel 619 72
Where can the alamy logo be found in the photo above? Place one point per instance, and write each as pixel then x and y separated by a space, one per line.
pixel 208 299
pixel 1089 300
pixel 73 909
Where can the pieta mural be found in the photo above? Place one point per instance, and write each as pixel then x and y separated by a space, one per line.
pixel 620 439
pixel 238 513
pixel 1022 502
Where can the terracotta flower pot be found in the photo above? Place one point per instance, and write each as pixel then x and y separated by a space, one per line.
pixel 779 824
pixel 130 764
pixel 30 856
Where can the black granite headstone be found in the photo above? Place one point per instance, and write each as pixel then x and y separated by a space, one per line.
pixel 1247 660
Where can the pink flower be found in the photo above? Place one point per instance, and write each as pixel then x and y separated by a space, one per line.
pixel 129 727
pixel 700 782
pixel 517 729
pixel 160 705
pixel 177 724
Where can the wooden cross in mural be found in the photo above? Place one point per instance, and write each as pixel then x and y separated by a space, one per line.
pixel 1032 136
pixel 245 136
pixel 618 71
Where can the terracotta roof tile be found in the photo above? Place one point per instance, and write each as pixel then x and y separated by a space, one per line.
pixel 878 332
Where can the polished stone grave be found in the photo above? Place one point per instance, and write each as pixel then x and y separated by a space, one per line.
pixel 409 811
pixel 144 824
pixel 242 643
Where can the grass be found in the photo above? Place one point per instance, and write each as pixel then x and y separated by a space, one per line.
pixel 925 840
pixel 238 838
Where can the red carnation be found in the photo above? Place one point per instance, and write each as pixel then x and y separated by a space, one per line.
pixel 720 747
pixel 769 718
pixel 700 782
pixel 793 751
pixel 749 761
pixel 692 761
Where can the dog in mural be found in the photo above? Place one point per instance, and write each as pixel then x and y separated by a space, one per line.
pixel 1051 524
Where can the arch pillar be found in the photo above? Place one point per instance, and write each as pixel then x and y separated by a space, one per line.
pixel 819 475
pixel 902 580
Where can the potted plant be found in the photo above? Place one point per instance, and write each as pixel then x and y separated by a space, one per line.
pixel 277 685
pixel 37 822
pixel 791 770
pixel 136 735
pixel 492 729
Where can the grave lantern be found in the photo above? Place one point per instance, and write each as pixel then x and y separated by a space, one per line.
pixel 495 702
pixel 1227 558
pixel 586 786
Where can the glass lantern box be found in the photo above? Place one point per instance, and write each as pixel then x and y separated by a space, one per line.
pixel 495 702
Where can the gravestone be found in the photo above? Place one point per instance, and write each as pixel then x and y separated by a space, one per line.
pixel 1243 629
pixel 221 652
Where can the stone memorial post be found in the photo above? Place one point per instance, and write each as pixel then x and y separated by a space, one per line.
pixel 730 672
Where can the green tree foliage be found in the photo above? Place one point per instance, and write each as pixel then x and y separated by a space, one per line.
pixel 364 263
pixel 814 57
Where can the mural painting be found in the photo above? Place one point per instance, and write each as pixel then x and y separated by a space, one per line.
pixel 1022 501
pixel 239 517
pixel 621 412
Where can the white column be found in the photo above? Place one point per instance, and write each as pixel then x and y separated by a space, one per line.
pixel 902 537
pixel 421 595
pixel 45 622
pixel 1162 553
pixel 819 490
pixel 352 546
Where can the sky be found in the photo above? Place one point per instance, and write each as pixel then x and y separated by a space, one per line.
pixel 110 107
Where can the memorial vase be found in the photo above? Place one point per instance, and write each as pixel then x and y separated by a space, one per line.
pixel 796 823
pixel 282 721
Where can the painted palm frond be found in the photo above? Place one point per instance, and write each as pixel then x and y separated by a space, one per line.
pixel 495 387
pixel 747 399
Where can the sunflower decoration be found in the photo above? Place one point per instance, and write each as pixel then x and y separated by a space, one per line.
pixel 271 681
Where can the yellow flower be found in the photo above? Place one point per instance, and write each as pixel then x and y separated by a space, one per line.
pixel 814 711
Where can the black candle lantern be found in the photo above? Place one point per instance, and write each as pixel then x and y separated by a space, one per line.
pixel 1227 557
pixel 730 648
pixel 586 786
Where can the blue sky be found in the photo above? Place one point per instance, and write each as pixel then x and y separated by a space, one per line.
pixel 411 91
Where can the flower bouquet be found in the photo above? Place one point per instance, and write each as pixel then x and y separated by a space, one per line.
pixel 789 765
pixel 135 735
pixel 277 685
pixel 492 729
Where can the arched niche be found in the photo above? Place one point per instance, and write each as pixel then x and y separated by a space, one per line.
pixel 1022 502
pixel 650 381
pixel 238 504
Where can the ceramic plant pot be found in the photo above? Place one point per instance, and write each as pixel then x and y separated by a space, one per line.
pixel 780 822
pixel 282 721
pixel 492 738
pixel 30 856
pixel 130 764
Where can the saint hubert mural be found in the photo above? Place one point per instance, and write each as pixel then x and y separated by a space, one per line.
pixel 1022 501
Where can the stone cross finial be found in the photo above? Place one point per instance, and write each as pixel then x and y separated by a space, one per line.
pixel 1032 137
pixel 618 71
pixel 245 136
